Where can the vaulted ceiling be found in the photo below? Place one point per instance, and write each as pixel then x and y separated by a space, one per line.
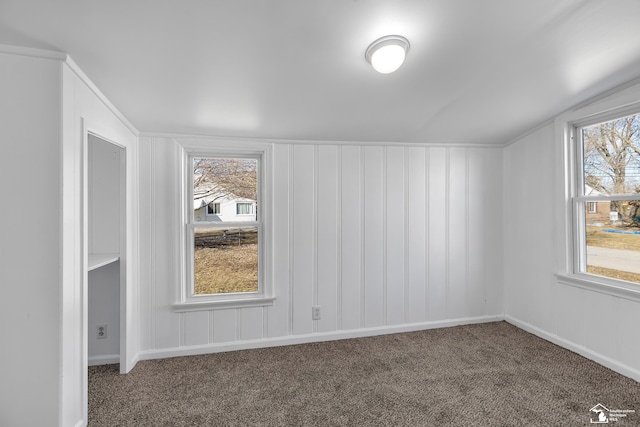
pixel 477 71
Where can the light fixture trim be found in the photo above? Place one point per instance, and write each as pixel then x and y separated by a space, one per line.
pixel 391 40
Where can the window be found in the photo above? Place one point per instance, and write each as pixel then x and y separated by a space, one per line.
pixel 606 206
pixel 213 209
pixel 244 208
pixel 224 260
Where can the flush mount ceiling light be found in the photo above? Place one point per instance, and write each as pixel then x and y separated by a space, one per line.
pixel 387 53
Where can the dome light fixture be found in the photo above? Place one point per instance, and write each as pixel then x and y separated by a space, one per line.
pixel 387 53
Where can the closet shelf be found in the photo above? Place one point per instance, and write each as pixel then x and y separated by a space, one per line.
pixel 100 260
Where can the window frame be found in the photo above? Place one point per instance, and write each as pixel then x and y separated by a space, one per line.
pixel 187 299
pixel 251 206
pixel 572 256
pixel 219 210
pixel 580 200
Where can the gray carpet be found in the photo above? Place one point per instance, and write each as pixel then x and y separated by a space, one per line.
pixel 490 374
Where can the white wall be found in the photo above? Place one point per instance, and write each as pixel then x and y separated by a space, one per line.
pixel 381 237
pixel 45 104
pixel 598 325
pixel 30 262
pixel 85 108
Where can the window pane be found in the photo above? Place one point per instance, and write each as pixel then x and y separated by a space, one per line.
pixel 613 240
pixel 219 184
pixel 244 208
pixel 612 157
pixel 225 260
pixel 213 209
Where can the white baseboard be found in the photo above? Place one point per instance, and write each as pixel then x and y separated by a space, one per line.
pixel 608 362
pixel 310 338
pixel 108 359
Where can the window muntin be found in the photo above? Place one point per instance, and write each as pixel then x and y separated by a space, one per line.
pixel 224 247
pixel 607 202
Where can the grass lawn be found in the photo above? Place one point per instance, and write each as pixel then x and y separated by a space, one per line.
pixel 597 237
pixel 615 274
pixel 225 264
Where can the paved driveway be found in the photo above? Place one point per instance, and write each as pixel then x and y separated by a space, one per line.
pixel 616 259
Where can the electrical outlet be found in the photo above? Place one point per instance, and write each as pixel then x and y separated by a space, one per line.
pixel 315 312
pixel 101 332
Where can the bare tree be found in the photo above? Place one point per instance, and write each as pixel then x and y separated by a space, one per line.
pixel 215 178
pixel 612 158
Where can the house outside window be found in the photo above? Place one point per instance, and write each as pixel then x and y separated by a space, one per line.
pixel 606 205
pixel 224 232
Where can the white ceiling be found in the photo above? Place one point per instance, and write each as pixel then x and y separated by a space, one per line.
pixel 477 71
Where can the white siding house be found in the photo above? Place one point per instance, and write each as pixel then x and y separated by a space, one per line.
pixel 224 209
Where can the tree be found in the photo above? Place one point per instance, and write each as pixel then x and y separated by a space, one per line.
pixel 612 160
pixel 215 178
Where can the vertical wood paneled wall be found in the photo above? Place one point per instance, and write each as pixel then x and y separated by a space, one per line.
pixel 377 236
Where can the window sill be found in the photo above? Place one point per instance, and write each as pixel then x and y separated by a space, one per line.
pixel 603 285
pixel 183 307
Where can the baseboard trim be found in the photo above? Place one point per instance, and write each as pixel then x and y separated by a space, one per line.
pixel 310 338
pixel 608 362
pixel 108 359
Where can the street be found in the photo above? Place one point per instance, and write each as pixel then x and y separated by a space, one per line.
pixel 615 259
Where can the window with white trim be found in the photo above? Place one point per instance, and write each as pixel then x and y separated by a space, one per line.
pixel 213 208
pixel 243 208
pixel 224 260
pixel 606 205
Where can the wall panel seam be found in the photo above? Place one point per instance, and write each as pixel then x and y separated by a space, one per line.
pixel 407 289
pixel 485 282
pixel 339 213
pixel 468 284
pixel 363 305
pixel 447 210
pixel 427 183
pixel 385 218
pixel 154 253
pixel 290 172
pixel 314 265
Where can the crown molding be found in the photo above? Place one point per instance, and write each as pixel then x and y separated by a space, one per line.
pixel 239 139
pixel 33 52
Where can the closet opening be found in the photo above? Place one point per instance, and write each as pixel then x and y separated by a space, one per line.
pixel 105 246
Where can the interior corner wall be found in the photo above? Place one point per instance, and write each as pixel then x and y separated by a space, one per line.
pixel 30 246
pixel 383 238
pixel 599 326
pixel 83 108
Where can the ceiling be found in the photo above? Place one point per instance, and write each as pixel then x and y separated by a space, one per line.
pixel 479 72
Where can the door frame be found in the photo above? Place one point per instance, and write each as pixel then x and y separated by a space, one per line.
pixel 125 261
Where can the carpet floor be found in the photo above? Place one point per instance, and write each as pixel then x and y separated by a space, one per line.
pixel 491 374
